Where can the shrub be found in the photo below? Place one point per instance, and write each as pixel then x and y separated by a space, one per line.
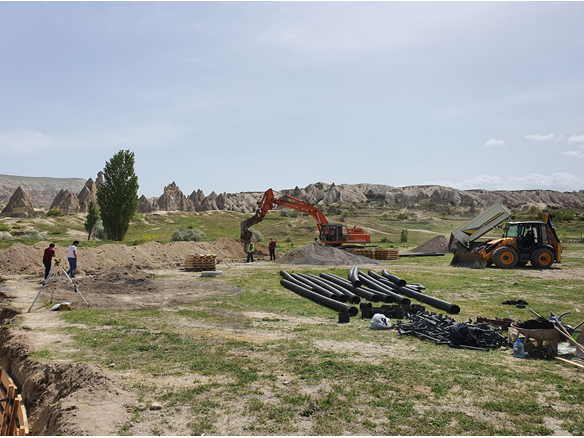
pixel 256 235
pixel 4 228
pixel 404 236
pixel 33 235
pixel 385 240
pixel 402 216
pixel 98 231
pixel 385 217
pixel 287 212
pixel 188 235
pixel 54 213
pixel 288 238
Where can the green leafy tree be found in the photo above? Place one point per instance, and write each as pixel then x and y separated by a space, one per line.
pixel 92 218
pixel 404 236
pixel 118 195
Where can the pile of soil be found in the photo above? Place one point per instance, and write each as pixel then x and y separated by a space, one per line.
pixel 437 244
pixel 121 289
pixel 323 255
pixel 22 259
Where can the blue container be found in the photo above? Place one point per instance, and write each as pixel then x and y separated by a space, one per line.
pixel 518 349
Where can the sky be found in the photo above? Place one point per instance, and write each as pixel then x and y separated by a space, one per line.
pixel 246 96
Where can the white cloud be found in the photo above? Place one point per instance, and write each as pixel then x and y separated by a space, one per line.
pixel 578 154
pixel 537 137
pixel 561 181
pixel 493 142
pixel 576 139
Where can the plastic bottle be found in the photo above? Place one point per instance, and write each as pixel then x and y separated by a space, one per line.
pixel 518 349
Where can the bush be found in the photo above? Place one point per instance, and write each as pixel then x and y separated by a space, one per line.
pixel 188 235
pixel 404 236
pixel 385 240
pixel 54 213
pixel 288 238
pixel 385 217
pixel 256 235
pixel 402 217
pixel 287 212
pixel 33 235
pixel 98 231
pixel 4 228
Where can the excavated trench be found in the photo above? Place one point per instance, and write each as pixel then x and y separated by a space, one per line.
pixel 60 398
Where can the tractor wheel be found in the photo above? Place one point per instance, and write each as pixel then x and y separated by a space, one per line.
pixel 542 258
pixel 505 257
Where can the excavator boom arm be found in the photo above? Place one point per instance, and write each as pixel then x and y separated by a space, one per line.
pixel 268 201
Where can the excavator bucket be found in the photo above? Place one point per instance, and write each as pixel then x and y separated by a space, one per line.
pixel 472 260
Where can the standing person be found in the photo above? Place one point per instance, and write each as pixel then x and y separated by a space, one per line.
pixel 47 258
pixel 272 248
pixel 72 257
pixel 250 250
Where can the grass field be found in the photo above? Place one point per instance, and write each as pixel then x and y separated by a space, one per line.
pixel 267 362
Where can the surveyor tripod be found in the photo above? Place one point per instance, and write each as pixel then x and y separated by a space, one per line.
pixel 57 264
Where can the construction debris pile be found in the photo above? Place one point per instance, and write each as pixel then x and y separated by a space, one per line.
pixel 444 330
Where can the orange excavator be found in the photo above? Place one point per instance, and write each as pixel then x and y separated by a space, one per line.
pixel 329 234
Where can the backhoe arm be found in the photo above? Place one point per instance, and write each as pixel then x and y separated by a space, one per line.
pixel 268 201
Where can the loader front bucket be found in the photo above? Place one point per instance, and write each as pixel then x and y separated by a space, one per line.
pixel 463 259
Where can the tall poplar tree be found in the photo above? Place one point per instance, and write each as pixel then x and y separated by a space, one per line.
pixel 118 195
pixel 92 218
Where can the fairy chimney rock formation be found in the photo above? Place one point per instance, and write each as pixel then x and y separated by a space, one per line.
pixel 19 205
pixel 173 199
pixel 87 195
pixel 65 202
pixel 144 205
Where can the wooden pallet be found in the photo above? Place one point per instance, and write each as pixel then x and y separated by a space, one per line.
pixel 377 254
pixel 198 263
pixel 13 419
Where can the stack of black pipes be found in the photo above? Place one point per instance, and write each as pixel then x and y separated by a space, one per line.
pixel 337 293
pixel 322 292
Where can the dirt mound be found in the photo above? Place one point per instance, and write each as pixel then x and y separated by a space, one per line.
pixel 22 259
pixel 322 255
pixel 436 244
pixel 120 289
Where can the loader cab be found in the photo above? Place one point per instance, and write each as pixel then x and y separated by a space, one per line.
pixel 330 233
pixel 529 237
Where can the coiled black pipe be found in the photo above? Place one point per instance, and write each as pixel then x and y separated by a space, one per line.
pixel 327 302
pixel 363 293
pixel 434 302
pixel 351 297
pixel 374 284
pixel 354 277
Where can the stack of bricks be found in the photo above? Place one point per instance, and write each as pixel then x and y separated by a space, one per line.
pixel 199 263
pixel 377 254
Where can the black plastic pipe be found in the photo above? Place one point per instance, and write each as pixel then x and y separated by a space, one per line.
pixel 434 302
pixel 352 298
pixel 394 279
pixel 327 302
pixel 354 277
pixel 339 295
pixel 374 284
pixel 318 289
pixel 363 293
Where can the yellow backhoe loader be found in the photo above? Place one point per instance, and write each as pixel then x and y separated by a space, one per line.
pixel 522 242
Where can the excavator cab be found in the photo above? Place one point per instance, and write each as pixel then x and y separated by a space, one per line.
pixel 334 234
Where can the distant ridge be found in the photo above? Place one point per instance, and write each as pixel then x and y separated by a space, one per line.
pixel 42 190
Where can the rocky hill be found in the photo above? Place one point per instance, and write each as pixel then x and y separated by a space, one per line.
pixel 402 197
pixel 42 191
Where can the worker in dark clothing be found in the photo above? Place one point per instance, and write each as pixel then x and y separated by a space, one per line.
pixel 47 258
pixel 250 250
pixel 272 248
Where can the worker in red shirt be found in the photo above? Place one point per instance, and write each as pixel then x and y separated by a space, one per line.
pixel 272 248
pixel 47 258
